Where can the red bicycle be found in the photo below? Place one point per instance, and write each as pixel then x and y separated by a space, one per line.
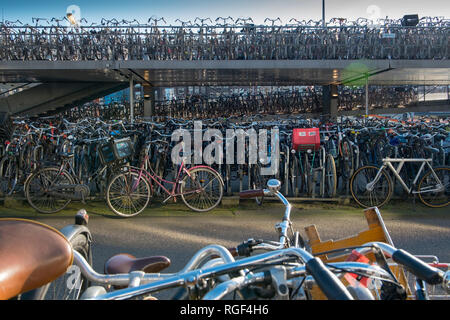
pixel 130 191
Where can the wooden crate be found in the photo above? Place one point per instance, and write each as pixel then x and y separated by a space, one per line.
pixel 376 232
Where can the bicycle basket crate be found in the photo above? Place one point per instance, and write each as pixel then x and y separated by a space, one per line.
pixel 116 150
pixel 306 138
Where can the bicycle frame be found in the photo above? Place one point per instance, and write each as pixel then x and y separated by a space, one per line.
pixel 152 176
pixel 387 163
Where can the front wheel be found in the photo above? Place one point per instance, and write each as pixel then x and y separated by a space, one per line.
pixel 201 189
pixel 128 194
pixel 378 195
pixel 72 284
pixel 428 192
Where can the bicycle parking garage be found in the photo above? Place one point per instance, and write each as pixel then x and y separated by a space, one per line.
pixel 209 111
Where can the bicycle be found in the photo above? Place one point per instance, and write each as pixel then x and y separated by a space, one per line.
pixel 128 193
pixel 50 189
pixel 372 186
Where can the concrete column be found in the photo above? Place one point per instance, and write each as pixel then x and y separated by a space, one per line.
pixel 329 101
pixel 149 101
pixel 367 96
pixel 131 99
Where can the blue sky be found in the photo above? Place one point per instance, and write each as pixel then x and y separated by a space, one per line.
pixel 141 10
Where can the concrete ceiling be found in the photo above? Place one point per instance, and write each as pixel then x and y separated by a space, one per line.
pixel 231 73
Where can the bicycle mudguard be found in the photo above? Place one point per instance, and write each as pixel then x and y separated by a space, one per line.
pixel 207 167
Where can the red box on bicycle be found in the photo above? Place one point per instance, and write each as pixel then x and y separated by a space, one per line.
pixel 306 138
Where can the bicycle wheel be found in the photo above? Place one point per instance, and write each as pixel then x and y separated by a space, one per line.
pixel 38 189
pixel 9 176
pixel 330 176
pixel 72 284
pixel 347 159
pixel 381 192
pixel 128 194
pixel 201 189
pixel 428 183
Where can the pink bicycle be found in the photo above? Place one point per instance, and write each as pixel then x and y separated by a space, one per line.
pixel 130 191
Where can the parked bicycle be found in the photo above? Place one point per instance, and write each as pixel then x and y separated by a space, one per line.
pixel 372 186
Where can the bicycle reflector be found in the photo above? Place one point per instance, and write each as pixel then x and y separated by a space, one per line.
pixel 306 139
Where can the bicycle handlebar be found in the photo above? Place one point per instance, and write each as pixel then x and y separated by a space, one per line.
pixel 419 268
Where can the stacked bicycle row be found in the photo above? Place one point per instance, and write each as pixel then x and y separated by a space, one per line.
pixel 277 100
pixel 226 40
pixel 82 159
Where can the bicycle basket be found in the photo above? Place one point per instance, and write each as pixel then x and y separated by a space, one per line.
pixel 123 148
pixel 115 150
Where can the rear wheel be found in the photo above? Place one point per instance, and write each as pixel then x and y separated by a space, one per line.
pixel 41 186
pixel 201 189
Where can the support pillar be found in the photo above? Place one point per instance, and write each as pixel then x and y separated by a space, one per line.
pixel 367 97
pixel 330 102
pixel 149 101
pixel 131 99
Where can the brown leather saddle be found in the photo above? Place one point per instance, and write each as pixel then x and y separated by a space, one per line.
pixel 32 254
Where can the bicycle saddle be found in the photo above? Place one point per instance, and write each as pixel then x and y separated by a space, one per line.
pixel 31 254
pixel 126 263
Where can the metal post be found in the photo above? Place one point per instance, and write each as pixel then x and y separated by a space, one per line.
pixel 367 96
pixel 131 100
pixel 323 13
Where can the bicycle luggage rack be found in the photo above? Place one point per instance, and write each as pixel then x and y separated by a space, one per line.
pixel 376 232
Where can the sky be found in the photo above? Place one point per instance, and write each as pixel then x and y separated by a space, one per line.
pixel 258 10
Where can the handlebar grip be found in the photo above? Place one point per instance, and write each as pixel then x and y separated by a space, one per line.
pixel 419 268
pixel 327 281
pixel 251 194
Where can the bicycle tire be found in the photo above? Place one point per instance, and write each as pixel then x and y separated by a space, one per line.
pixel 128 208
pixel 330 176
pixel 191 178
pixel 73 279
pixel 443 174
pixel 9 175
pixel 361 177
pixel 34 202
